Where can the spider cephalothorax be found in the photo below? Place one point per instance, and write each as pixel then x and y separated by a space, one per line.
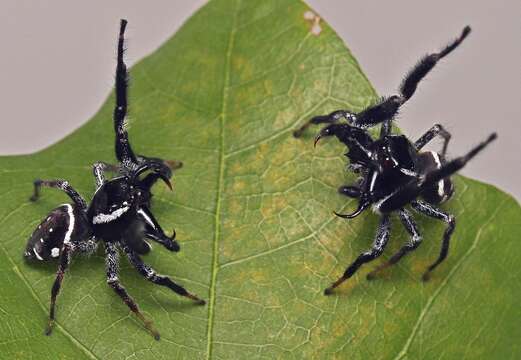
pixel 395 172
pixel 118 215
pixel 113 218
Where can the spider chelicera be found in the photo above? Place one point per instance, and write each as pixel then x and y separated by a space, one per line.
pixel 394 172
pixel 118 215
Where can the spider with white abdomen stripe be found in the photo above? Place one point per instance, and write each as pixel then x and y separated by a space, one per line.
pixel 113 218
pixel 118 215
pixel 128 163
pixel 395 172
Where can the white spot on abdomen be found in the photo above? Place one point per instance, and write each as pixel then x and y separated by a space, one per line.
pixel 68 234
pixel 441 183
pixel 55 252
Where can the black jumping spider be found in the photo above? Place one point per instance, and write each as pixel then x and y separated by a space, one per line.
pixel 118 216
pixel 394 171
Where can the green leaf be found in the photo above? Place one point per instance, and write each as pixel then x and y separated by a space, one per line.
pixel 253 212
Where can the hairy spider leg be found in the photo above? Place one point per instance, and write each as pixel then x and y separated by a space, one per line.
pixel 426 64
pixel 382 236
pixel 98 170
pixel 330 118
pixel 385 110
pixel 429 210
pixel 353 192
pixel 65 259
pixel 59 184
pixel 112 264
pixel 151 275
pixel 124 151
pixel 436 130
pixel 415 241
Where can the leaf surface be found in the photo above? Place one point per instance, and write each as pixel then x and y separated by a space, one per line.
pixel 253 212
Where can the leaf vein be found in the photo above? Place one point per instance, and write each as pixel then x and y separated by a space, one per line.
pixel 445 281
pixel 220 185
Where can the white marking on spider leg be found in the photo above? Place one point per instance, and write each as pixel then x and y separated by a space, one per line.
pixel 105 218
pixel 72 220
pixel 146 217
pixel 98 172
pixel 37 256
pixel 149 272
pixel 55 252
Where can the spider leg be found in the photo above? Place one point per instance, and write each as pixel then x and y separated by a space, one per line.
pixel 431 211
pixel 98 169
pixel 155 278
pixel 87 246
pixel 384 111
pixel 154 231
pixel 382 236
pixel 416 239
pixel 426 64
pixel 112 263
pixel 60 184
pixel 124 152
pixel 436 130
pixel 330 118
pixel 65 259
pixel 350 191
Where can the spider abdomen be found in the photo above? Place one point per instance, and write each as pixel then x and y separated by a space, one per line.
pixel 440 191
pixel 63 224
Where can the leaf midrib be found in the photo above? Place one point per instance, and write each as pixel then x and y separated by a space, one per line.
pixel 220 183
